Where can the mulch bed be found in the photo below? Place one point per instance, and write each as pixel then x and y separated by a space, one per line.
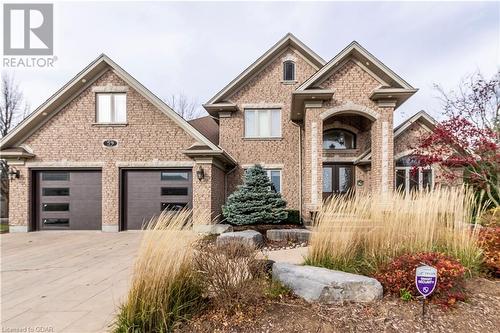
pixel 262 228
pixel 481 313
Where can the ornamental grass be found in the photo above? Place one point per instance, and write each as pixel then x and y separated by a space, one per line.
pixel 164 288
pixel 361 233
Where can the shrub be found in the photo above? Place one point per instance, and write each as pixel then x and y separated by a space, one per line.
pixel 361 233
pixel 399 275
pixel 230 273
pixel 255 202
pixel 489 240
pixel 164 287
pixel 293 217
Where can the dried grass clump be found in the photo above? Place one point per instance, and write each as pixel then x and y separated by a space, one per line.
pixel 164 287
pixel 361 233
pixel 231 274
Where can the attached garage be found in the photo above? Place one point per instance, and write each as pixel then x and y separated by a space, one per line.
pixel 67 200
pixel 146 193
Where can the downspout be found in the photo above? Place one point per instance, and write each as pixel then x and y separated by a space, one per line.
pixel 225 181
pixel 300 168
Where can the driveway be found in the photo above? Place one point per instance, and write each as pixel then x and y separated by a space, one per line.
pixel 64 281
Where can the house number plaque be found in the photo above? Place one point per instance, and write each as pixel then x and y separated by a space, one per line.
pixel 110 143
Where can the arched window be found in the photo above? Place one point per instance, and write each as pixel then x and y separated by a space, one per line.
pixel 288 71
pixel 339 139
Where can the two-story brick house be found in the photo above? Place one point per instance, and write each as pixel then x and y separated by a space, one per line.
pixel 105 153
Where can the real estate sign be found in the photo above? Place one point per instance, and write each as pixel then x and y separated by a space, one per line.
pixel 426 279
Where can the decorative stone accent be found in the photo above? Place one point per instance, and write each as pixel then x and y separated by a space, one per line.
pixel 325 285
pixel 250 237
pixel 110 228
pixel 300 235
pixel 212 229
pixel 18 228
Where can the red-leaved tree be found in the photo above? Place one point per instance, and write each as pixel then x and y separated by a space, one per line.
pixel 469 139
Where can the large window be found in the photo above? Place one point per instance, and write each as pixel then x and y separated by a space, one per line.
pixel 288 71
pixel 263 123
pixel 410 178
pixel 339 139
pixel 111 107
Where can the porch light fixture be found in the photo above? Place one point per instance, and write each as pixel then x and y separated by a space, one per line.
pixel 200 173
pixel 14 174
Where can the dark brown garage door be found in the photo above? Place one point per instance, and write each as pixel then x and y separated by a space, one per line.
pixel 148 192
pixel 68 200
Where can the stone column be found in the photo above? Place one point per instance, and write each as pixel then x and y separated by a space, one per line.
pixel 110 197
pixel 19 203
pixel 382 146
pixel 208 193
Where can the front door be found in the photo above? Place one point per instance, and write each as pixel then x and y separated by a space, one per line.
pixel 337 179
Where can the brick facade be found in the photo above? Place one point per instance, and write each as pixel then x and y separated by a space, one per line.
pixel 151 139
pixel 72 139
pixel 264 90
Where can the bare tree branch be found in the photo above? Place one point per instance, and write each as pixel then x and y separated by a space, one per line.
pixel 13 108
pixel 187 108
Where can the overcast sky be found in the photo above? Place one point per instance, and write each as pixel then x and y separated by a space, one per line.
pixel 197 48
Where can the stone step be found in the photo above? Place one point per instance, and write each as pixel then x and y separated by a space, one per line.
pixel 249 237
pixel 299 235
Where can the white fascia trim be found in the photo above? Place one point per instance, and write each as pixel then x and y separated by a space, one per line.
pixel 414 118
pixel 339 57
pixel 49 101
pixel 285 40
pixel 160 104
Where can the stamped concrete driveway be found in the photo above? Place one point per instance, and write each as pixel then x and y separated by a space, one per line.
pixel 64 281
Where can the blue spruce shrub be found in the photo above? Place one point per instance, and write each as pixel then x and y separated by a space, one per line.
pixel 255 202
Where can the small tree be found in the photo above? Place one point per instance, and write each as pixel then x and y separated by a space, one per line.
pixel 255 202
pixel 469 138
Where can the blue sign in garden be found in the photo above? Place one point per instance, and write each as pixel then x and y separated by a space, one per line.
pixel 426 281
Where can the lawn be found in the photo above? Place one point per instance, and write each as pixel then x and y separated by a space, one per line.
pixel 4 228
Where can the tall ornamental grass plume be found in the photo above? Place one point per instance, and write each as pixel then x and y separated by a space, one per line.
pixel 361 233
pixel 164 287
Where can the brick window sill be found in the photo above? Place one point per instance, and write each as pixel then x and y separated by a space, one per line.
pixel 289 82
pixel 263 139
pixel 109 124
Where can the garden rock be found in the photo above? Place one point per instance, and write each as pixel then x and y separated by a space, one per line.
pixel 212 229
pixel 249 237
pixel 299 235
pixel 325 285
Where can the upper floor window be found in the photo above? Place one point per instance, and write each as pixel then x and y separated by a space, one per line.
pixel 339 139
pixel 288 71
pixel 111 107
pixel 263 123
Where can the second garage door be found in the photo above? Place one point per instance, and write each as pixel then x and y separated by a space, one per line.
pixel 148 192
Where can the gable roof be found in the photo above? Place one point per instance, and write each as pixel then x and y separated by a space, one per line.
pixel 288 40
pixel 420 116
pixel 76 86
pixel 372 64
pixel 208 127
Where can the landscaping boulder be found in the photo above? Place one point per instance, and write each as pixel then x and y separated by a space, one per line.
pixel 212 229
pixel 250 237
pixel 299 235
pixel 325 285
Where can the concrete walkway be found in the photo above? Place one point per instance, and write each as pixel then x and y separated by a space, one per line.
pixel 290 256
pixel 64 281
pixel 72 281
